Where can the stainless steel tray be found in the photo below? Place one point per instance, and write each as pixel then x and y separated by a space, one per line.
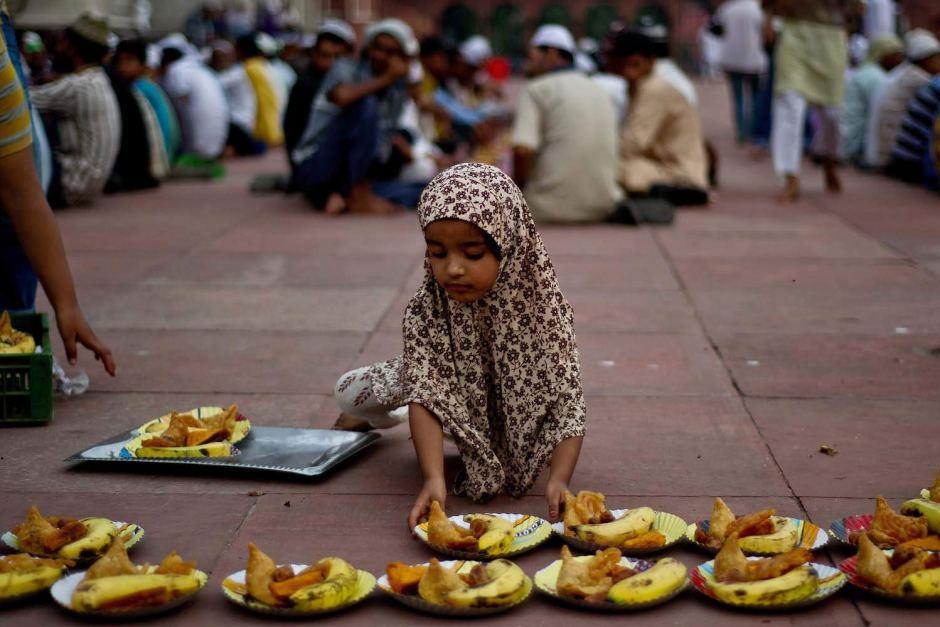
pixel 298 452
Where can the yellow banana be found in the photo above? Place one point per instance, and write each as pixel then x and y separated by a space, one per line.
pixel 339 584
pixel 664 578
pixel 507 585
pixel 110 591
pixel 784 538
pixel 794 586
pixel 635 522
pixel 212 449
pixel 498 536
pixel 924 583
pixel 101 532
pixel 19 583
pixel 928 509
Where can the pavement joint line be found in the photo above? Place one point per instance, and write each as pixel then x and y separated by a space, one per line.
pixel 713 342
pixel 235 532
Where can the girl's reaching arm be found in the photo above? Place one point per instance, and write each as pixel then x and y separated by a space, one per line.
pixel 428 437
pixel 564 459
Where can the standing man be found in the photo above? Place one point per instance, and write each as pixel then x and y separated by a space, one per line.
pixel 812 53
pixel 87 121
pixel 741 55
pixel 564 144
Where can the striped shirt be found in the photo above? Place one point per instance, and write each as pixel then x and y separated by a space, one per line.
pixel 15 127
pixel 887 111
pixel 89 124
pixel 913 142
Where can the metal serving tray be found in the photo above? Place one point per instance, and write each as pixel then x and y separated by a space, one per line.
pixel 297 452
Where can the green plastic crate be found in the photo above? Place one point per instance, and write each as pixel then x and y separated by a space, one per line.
pixel 26 380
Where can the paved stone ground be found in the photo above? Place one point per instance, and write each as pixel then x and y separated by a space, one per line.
pixel 718 355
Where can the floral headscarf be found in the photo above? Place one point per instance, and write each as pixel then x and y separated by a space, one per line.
pixel 502 373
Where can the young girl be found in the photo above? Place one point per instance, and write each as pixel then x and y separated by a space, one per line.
pixel 490 355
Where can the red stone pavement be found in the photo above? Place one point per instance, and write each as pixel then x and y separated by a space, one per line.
pixel 718 355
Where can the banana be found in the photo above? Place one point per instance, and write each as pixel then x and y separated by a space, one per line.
pixel 507 586
pixel 664 578
pixel 19 583
pixel 633 523
pixel 119 590
pixel 101 532
pixel 498 536
pixel 928 509
pixel 794 586
pixel 924 583
pixel 212 449
pixel 339 584
pixel 781 540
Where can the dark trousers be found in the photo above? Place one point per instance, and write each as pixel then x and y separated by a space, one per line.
pixel 745 93
pixel 345 153
pixel 243 143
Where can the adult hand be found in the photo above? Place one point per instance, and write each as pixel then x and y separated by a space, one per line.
pixel 74 329
pixel 555 495
pixel 433 490
pixel 398 67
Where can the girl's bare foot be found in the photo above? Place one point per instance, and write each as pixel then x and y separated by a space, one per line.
pixel 348 422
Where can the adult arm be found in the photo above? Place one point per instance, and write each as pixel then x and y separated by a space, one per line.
pixel 58 96
pixel 347 93
pixel 561 468
pixel 427 434
pixel 526 137
pixel 456 110
pixel 22 198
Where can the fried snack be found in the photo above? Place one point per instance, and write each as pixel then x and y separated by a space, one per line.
pixel 746 525
pixel 13 341
pixel 585 509
pixel 590 579
pixel 930 543
pixel 888 528
pixel 38 535
pixel 403 578
pixel 443 532
pixel 114 562
pixel 283 588
pixel 648 540
pixel 23 562
pixel 438 582
pixel 477 576
pixel 874 566
pixel 935 489
pixel 173 564
pixel 259 574
pixel 720 520
pixel 730 563
pixel 762 528
pixel 6 326
pixel 187 430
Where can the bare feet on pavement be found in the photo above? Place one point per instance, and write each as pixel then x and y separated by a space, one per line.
pixel 335 205
pixel 791 190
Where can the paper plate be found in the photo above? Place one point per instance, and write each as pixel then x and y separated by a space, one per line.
pixel 416 602
pixel 63 589
pixel 849 568
pixel 830 582
pixel 531 531
pixel 808 535
pixel 546 578
pixel 16 598
pixel 365 586
pixel 841 529
pixel 131 533
pixel 667 524
pixel 242 424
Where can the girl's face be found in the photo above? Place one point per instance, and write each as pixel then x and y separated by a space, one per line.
pixel 461 260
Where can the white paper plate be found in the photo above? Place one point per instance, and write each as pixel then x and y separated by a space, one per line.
pixel 546 578
pixel 670 525
pixel 416 602
pixel 63 589
pixel 831 580
pixel 132 535
pixel 366 585
pixel 531 531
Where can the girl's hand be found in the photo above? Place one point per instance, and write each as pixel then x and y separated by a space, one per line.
pixel 555 495
pixel 74 330
pixel 433 490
